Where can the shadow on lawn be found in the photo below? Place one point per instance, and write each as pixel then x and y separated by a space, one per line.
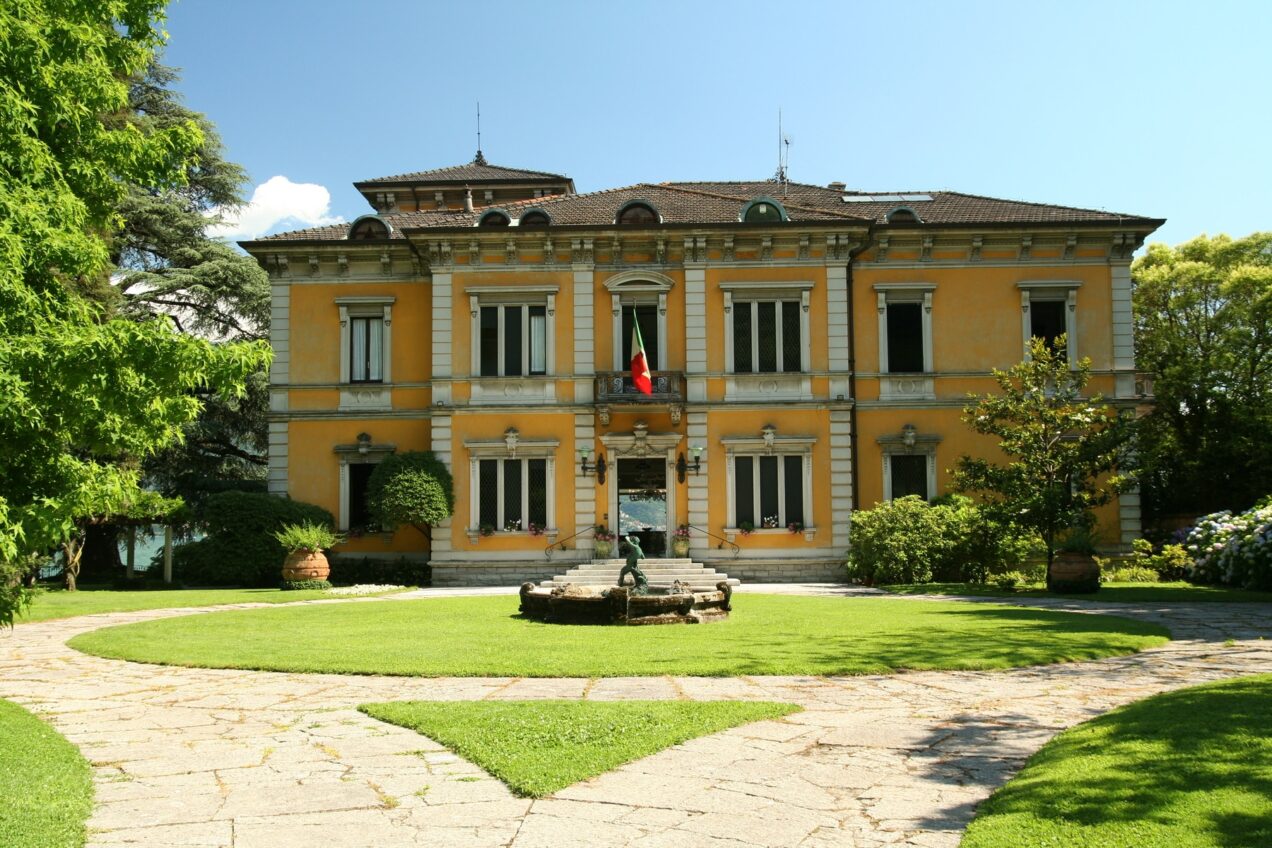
pixel 1142 765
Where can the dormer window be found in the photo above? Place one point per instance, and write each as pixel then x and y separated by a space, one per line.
pixel 763 210
pixel 535 218
pixel 368 228
pixel 494 218
pixel 638 214
pixel 903 215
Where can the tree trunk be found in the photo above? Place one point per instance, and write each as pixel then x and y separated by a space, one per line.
pixel 72 550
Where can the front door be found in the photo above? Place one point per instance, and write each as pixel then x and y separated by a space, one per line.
pixel 642 503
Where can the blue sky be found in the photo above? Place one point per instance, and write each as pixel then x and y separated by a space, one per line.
pixel 1157 109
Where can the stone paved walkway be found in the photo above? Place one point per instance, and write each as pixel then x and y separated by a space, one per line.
pixel 214 758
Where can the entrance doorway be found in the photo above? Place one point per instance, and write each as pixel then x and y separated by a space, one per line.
pixel 642 503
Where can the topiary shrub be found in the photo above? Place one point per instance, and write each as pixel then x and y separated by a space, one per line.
pixel 412 488
pixel 240 548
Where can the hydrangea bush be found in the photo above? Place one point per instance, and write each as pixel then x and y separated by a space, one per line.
pixel 1235 550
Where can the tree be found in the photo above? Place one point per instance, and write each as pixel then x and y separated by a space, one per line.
pixel 1203 327
pixel 78 391
pixel 411 488
pixel 1064 450
pixel 142 508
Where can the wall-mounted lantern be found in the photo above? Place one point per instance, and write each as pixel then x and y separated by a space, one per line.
pixel 587 467
pixel 682 466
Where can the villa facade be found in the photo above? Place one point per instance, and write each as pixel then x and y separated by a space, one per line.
pixel 811 350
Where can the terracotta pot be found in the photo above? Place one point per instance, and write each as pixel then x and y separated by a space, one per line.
pixel 1074 572
pixel 306 565
pixel 680 546
pixel 602 549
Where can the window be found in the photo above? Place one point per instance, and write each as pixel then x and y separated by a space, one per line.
pixel 768 491
pixel 513 340
pixel 368 228
pixel 512 331
pixel 512 493
pixel 903 215
pixel 359 510
pixel 649 330
pixel 905 338
pixel 763 210
pixel 534 219
pixel 1048 310
pixel 493 219
pixel 366 350
pixel 905 329
pixel 766 336
pixel 909 476
pixel 365 342
pixel 637 214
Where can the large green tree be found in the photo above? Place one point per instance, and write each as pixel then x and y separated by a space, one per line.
pixel 77 392
pixel 1063 449
pixel 1203 327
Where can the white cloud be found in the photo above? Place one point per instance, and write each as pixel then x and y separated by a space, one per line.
pixel 277 204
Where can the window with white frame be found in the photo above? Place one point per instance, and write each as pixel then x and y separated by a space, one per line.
pixel 769 483
pixel 1048 309
pixel 365 341
pixel 766 327
pixel 909 464
pixel 511 485
pixel 513 330
pixel 905 327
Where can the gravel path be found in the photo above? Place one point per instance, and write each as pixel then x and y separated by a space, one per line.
pixel 219 758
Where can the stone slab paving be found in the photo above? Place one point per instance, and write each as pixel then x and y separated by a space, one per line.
pixel 205 758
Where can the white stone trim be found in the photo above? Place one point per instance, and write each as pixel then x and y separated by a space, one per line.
pixel 696 333
pixel 802 449
pixel 498 451
pixel 442 339
pixel 352 455
pixel 440 443
pixel 544 296
pixel 838 333
pixel 841 474
pixel 277 473
pixel 1053 290
pixel 280 333
pixel 1123 330
pixel 921 293
pixel 698 492
pixel 753 296
pixel 641 297
pixel 367 306
pixel 584 484
pixel 893 444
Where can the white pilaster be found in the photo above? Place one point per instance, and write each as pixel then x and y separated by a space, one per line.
pixel 697 489
pixel 837 333
pixel 1123 330
pixel 584 335
pixel 696 333
pixel 443 324
pixel 840 482
pixel 584 485
pixel 278 456
pixel 441 447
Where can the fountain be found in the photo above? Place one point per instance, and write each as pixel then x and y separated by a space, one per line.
pixel 638 603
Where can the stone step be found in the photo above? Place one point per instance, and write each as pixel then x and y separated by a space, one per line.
pixel 663 570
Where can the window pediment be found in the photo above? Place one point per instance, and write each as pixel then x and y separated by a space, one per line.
pixel 639 281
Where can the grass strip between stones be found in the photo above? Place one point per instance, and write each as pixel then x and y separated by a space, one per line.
pixel 46 786
pixel 540 747
pixel 1187 769
pixel 486 637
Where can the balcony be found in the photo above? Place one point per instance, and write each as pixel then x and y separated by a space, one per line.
pixel 615 388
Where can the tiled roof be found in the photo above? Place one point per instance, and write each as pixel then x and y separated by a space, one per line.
pixel 721 202
pixel 476 171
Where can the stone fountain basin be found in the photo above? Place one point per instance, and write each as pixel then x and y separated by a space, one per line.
pixel 674 604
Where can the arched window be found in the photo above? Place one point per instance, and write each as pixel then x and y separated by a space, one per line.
pixel 535 218
pixel 763 210
pixel 368 227
pixel 494 218
pixel 638 214
pixel 903 215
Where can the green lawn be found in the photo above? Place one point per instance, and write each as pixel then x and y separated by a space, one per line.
pixel 538 747
pixel 46 788
pixel 62 604
pixel 486 637
pixel 1127 593
pixel 1188 769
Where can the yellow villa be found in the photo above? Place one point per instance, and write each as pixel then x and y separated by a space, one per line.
pixel 811 349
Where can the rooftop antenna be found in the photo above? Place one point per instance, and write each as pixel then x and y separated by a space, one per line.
pixel 480 159
pixel 783 154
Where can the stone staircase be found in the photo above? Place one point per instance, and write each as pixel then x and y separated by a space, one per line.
pixel 604 572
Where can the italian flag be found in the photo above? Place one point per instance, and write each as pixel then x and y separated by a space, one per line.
pixel 640 364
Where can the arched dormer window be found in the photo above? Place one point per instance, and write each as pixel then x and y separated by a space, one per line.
pixel 763 210
pixel 369 228
pixel 534 218
pixel 494 218
pixel 903 215
pixel 637 213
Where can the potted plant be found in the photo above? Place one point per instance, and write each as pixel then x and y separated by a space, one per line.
pixel 535 529
pixel 770 522
pixel 746 528
pixel 486 529
pixel 795 527
pixel 512 525
pixel 1074 568
pixel 602 542
pixel 680 541
pixel 305 544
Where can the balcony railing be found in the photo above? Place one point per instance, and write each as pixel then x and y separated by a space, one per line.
pixel 615 387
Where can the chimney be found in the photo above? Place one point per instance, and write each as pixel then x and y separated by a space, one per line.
pixel 837 186
pixel 468 199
